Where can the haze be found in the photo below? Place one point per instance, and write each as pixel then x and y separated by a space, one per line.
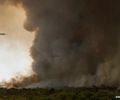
pixel 14 48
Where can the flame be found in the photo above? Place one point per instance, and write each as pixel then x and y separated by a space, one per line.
pixel 14 48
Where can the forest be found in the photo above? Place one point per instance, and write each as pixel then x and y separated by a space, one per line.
pixel 94 93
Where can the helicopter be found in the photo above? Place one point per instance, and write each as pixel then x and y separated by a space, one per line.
pixel 3 34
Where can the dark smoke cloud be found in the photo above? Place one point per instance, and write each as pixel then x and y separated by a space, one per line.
pixel 76 42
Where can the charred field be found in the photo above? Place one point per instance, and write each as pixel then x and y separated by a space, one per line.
pixel 94 93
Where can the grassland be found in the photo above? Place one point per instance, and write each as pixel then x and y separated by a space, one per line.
pixel 95 93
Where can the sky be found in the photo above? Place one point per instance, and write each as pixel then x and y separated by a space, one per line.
pixel 15 58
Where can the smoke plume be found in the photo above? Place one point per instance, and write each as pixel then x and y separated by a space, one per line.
pixel 77 41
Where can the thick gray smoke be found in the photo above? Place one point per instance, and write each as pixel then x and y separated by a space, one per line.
pixel 76 42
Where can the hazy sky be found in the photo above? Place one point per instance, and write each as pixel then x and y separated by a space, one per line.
pixel 14 47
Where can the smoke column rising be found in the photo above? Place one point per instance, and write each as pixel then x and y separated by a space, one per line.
pixel 76 42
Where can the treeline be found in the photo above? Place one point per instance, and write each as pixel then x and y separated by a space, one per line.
pixel 104 93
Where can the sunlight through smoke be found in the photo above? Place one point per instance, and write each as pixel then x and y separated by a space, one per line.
pixel 14 48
